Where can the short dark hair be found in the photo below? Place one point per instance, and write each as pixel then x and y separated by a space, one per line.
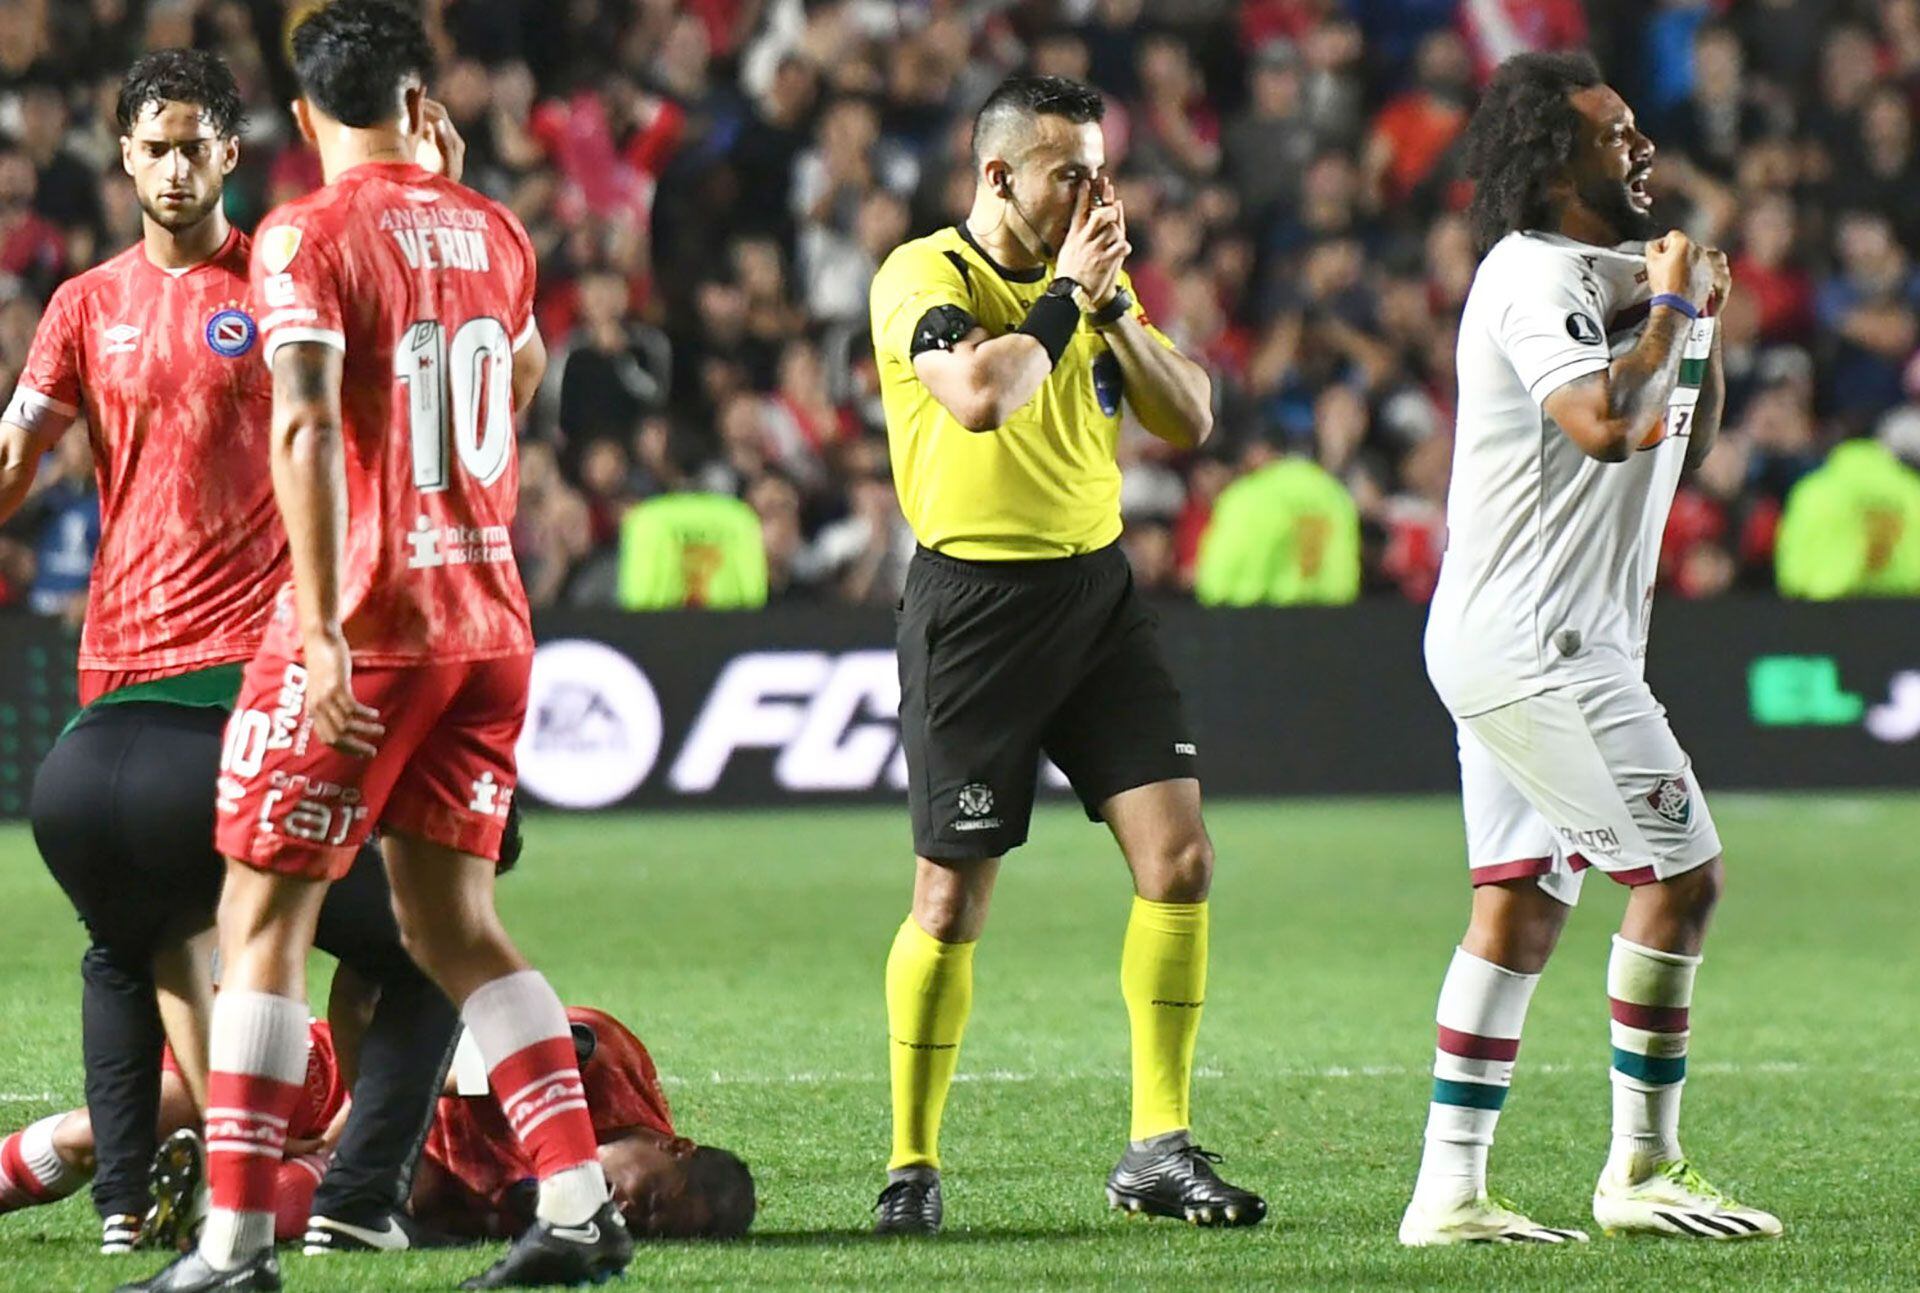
pixel 181 76
pixel 1522 136
pixel 1019 99
pixel 724 1181
pixel 352 56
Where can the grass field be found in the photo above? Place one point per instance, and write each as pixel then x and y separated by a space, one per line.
pixel 747 951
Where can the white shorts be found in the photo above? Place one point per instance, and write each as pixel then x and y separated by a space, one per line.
pixel 1583 775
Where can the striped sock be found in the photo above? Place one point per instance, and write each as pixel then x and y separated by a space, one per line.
pixel 1482 1008
pixel 1650 992
pixel 258 1071
pixel 521 1030
pixel 31 1172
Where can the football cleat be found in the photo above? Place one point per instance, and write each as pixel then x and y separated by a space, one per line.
pixel 179 1178
pixel 119 1233
pixel 1485 1220
pixel 1177 1180
pixel 1676 1200
pixel 910 1206
pixel 548 1256
pixel 191 1273
pixel 393 1232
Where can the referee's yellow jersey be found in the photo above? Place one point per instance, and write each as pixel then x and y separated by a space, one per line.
pixel 1043 485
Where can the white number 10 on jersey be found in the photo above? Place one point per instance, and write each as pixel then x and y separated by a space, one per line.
pixel 462 391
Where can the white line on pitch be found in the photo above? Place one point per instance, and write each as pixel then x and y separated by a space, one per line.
pixel 1337 1071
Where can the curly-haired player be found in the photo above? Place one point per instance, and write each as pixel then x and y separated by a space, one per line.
pixel 1590 378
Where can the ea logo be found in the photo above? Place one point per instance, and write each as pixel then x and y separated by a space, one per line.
pixel 593 726
pixel 1583 329
pixel 231 333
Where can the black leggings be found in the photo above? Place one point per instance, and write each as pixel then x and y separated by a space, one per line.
pixel 123 814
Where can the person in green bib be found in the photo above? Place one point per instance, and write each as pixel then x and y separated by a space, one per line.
pixel 1852 528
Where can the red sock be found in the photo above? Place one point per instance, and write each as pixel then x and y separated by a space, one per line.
pixel 30 1172
pixel 521 1030
pixel 295 1183
pixel 259 1053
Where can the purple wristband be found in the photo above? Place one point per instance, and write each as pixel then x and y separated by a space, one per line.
pixel 1674 301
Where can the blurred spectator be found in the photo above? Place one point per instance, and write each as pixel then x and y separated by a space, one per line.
pixel 1852 528
pixel 692 550
pixel 710 186
pixel 1286 535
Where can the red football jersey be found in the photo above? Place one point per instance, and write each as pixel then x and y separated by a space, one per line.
pixel 321 1097
pixel 427 288
pixel 164 368
pixel 472 1141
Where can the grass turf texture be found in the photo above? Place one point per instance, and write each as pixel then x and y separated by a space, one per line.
pixel 747 951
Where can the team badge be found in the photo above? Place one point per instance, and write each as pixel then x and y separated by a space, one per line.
pixel 976 799
pixel 1107 382
pixel 278 247
pixel 231 333
pixel 1672 800
pixel 1583 329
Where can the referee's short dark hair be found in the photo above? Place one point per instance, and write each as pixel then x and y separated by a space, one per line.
pixel 1019 99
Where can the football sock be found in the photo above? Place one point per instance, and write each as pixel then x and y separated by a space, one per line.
pixel 1482 1009
pixel 31 1173
pixel 258 1053
pixel 1163 979
pixel 1650 992
pixel 521 1030
pixel 929 994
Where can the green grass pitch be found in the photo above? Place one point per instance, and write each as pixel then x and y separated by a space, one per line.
pixel 747 950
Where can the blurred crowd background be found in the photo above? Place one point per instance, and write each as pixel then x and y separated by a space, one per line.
pixel 712 183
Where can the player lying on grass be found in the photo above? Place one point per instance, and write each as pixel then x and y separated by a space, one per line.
pixel 474 1182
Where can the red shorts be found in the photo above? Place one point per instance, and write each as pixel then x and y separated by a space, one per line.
pixel 444 771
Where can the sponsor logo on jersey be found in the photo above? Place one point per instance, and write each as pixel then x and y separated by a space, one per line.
pixel 121 339
pixel 1673 800
pixel 277 247
pixel 231 333
pixel 1583 329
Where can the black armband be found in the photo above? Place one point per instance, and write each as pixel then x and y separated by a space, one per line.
pixel 940 328
pixel 1051 322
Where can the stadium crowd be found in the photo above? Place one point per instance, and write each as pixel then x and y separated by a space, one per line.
pixel 711 184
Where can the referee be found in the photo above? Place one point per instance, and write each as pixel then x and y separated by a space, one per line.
pixel 1005 345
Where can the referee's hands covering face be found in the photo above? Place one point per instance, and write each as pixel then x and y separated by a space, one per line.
pixel 1095 245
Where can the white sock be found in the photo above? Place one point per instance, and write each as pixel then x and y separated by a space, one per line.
pixel 1482 1009
pixel 31 1171
pixel 258 1054
pixel 1650 994
pixel 571 1197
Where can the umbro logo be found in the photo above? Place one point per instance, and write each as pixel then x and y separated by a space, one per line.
pixel 120 339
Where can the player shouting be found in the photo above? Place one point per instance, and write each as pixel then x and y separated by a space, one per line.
pixel 1590 377
pixel 392 682
pixel 158 349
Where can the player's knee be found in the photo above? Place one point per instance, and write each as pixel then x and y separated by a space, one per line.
pixel 1698 892
pixel 73 1141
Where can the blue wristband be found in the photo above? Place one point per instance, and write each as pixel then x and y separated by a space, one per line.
pixel 1674 301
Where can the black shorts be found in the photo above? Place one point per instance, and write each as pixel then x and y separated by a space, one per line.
pixel 1002 661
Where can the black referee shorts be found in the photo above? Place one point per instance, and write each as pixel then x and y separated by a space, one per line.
pixel 1001 661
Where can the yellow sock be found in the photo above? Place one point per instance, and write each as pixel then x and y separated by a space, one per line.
pixel 929 992
pixel 1163 976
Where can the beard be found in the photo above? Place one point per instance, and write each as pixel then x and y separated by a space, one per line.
pixel 174 219
pixel 1611 201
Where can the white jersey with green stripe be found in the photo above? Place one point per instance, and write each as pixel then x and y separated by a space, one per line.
pixel 1551 555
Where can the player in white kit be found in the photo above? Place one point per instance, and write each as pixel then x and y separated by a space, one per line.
pixel 1590 378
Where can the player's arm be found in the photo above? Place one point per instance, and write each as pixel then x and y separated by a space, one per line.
pixel 20 454
pixel 45 402
pixel 529 366
pixel 1610 412
pixel 1713 390
pixel 310 487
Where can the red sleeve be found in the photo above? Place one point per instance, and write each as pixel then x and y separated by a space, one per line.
pixel 623 1087
pixel 296 284
pixel 47 398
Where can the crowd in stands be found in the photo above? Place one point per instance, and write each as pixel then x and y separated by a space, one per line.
pixel 711 184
